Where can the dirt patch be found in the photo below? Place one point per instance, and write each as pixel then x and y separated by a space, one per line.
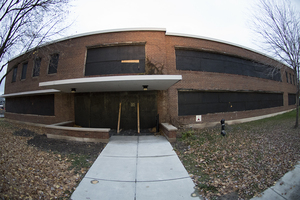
pixel 25 133
pixel 66 147
pixel 231 196
pixel 143 132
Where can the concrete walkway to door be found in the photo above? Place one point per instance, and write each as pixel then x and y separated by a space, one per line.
pixel 137 168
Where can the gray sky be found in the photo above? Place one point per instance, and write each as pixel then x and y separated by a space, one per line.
pixel 226 20
pixel 220 19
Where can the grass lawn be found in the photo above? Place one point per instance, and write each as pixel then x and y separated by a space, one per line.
pixel 249 159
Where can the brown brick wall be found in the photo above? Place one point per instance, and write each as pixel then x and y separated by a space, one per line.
pixel 160 51
pixel 208 81
pixel 31 118
pixel 82 134
pixel 216 117
pixel 72 65
pixel 72 55
pixel 171 135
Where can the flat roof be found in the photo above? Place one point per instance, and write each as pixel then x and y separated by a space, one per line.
pixel 113 83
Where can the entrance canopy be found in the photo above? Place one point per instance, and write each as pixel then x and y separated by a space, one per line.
pixel 114 83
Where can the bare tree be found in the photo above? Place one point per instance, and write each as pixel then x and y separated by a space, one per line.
pixel 28 23
pixel 278 24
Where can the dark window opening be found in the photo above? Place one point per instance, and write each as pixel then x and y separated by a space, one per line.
pixel 198 103
pixel 14 77
pixel 36 68
pixel 291 82
pixel 53 64
pixel 24 71
pixel 287 77
pixel 220 63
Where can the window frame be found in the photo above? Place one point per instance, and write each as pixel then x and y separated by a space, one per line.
pixel 24 64
pixel 294 79
pixel 14 75
pixel 51 63
pixel 36 65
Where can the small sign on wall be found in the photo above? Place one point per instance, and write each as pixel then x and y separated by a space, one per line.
pixel 198 118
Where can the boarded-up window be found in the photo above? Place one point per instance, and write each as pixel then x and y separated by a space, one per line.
pixel 220 63
pixel 38 105
pixel 36 67
pixel 198 103
pixel 294 79
pixel 115 60
pixel 292 99
pixel 14 76
pixel 24 70
pixel 53 64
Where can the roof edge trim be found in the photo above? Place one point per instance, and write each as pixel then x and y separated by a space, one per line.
pixel 36 92
pixel 105 31
pixel 115 31
pixel 92 33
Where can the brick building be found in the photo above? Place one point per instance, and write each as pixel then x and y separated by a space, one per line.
pixel 101 79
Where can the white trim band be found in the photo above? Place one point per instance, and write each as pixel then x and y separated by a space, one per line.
pixel 114 83
pixel 36 92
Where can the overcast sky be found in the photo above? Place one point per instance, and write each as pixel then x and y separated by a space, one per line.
pixel 220 19
pixel 226 20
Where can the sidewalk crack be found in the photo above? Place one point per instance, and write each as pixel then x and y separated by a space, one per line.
pixel 279 194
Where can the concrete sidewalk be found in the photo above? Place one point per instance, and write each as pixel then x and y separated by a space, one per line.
pixel 286 188
pixel 137 168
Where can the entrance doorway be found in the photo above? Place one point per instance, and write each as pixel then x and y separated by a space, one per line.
pixel 102 110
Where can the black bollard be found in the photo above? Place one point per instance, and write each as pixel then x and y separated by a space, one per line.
pixel 223 127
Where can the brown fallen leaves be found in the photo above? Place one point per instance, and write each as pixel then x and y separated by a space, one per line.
pixel 251 158
pixel 29 173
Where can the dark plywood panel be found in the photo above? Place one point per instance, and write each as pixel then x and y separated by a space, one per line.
pixel 104 110
pixel 37 105
pixel 129 111
pixel 292 99
pixel 196 102
pixel 107 60
pixel 148 109
pixel 82 110
pixel 220 63
pixel 101 109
